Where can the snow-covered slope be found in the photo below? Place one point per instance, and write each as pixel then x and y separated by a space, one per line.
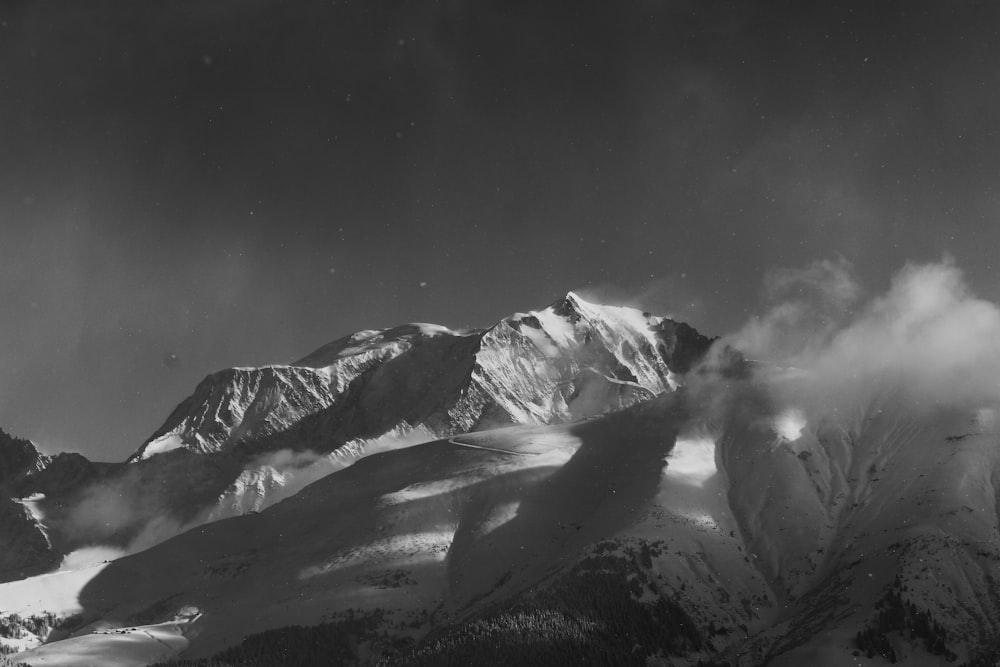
pixel 432 531
pixel 893 507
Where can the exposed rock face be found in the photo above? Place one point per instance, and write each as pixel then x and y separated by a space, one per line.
pixel 18 458
pixel 240 404
pixel 26 548
pixel 683 346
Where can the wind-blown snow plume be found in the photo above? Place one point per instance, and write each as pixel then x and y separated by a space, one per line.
pixel 675 296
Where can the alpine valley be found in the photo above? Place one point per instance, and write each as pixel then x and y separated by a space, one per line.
pixel 582 484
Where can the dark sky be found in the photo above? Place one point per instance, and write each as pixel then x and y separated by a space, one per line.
pixel 186 186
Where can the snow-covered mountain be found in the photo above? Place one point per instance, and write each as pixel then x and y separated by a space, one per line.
pixel 570 360
pixel 581 483
pixel 248 437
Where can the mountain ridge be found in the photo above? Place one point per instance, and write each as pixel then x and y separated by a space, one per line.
pixel 249 436
pixel 245 403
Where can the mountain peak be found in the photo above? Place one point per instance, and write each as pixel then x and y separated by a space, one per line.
pixel 570 306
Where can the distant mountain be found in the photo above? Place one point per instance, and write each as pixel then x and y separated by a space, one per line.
pixel 248 437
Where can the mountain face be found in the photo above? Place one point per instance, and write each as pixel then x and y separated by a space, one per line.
pixel 29 483
pixel 18 457
pixel 570 360
pixel 248 437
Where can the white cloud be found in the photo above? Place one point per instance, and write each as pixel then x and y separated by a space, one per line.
pixel 928 338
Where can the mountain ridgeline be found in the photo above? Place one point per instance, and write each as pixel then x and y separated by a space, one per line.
pixel 249 436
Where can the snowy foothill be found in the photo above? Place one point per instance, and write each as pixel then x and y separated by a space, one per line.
pixel 134 646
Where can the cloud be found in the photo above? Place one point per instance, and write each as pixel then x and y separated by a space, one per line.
pixel 125 514
pixel 806 307
pixel 831 282
pixel 299 469
pixel 106 508
pixel 927 339
pixel 928 336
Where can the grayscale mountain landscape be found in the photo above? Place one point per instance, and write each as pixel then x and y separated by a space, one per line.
pixel 579 483
pixel 385 333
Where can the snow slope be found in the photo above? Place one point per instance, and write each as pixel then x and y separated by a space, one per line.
pixel 835 515
pixel 116 647
pixel 432 531
pixel 776 530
